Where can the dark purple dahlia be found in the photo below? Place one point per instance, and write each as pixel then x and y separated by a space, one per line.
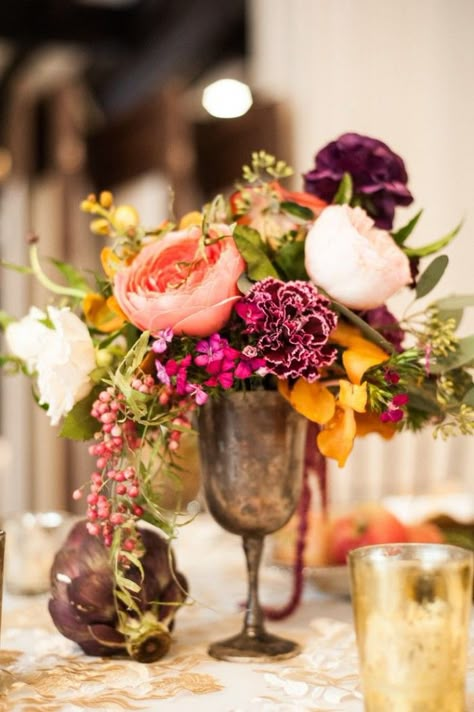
pixel 84 609
pixel 378 174
pixel 292 323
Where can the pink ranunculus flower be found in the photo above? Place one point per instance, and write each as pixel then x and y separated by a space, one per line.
pixel 355 263
pixel 181 284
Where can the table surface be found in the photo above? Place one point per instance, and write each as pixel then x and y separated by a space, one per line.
pixel 48 673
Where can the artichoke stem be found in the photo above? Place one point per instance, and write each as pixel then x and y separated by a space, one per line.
pixel 149 647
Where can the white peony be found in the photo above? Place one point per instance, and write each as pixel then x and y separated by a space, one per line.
pixel 62 356
pixel 355 263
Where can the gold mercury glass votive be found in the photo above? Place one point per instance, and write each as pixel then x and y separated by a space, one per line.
pixel 412 604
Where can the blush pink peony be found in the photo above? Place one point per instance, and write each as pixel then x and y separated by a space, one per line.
pixel 354 262
pixel 181 284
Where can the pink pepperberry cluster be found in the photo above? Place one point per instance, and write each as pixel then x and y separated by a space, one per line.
pixel 116 437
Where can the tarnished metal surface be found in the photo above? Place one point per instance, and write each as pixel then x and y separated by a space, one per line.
pixel 252 450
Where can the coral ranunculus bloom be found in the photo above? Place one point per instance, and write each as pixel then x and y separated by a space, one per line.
pixel 182 283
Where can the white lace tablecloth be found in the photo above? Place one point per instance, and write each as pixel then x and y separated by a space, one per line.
pixel 47 673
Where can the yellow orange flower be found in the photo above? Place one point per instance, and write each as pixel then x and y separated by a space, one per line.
pixel 313 400
pixel 103 314
pixel 344 416
pixel 337 438
pixel 370 423
pixel 192 218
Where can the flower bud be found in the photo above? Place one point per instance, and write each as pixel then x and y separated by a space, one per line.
pixel 100 226
pixel 125 217
pixel 106 199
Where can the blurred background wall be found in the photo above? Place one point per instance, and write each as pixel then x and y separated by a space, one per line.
pixel 107 94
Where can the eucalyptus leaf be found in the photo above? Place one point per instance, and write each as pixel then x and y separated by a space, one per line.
pixel 431 276
pixel 462 357
pixel 345 190
pixel 298 211
pixel 422 400
pixel 404 232
pixel 433 246
pixel 469 398
pixel 455 301
pixel 244 284
pixel 79 423
pixel 290 259
pixel 454 314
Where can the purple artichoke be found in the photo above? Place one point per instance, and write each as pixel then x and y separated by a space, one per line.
pixel 378 175
pixel 84 608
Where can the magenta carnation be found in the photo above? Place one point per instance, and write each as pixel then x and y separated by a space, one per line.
pixel 292 323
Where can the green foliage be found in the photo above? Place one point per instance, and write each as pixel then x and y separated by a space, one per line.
pixel 345 190
pixel 5 319
pixel 251 247
pixel 433 246
pixel 264 166
pixel 290 259
pixel 73 276
pixel 372 335
pixel 404 232
pixel 431 276
pixel 454 301
pixel 297 211
pixel 22 269
pixel 79 424
pixel 461 356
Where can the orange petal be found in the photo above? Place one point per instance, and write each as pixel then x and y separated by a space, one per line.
pixel 337 438
pixel 114 306
pixel 98 313
pixel 344 334
pixel 313 400
pixel 358 359
pixel 352 396
pixel 110 261
pixel 370 423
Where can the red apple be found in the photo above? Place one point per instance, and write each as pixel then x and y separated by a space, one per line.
pixel 425 533
pixel 365 525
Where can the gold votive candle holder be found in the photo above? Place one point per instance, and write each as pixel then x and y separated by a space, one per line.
pixel 412 604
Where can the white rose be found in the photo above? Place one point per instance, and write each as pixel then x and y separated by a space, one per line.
pixel 25 337
pixel 62 356
pixel 355 263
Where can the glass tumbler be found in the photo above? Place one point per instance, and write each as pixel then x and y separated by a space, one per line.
pixel 412 604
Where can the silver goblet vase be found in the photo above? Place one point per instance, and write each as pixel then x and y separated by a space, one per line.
pixel 252 452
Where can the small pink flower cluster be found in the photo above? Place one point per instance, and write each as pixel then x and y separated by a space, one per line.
pixel 116 435
pixel 394 412
pixel 224 363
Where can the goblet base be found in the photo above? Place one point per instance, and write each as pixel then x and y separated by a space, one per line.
pixel 245 648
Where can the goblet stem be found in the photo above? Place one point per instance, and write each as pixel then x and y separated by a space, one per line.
pixel 253 642
pixel 253 621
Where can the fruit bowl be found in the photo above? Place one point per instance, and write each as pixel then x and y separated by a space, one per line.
pixel 422 518
pixel 330 579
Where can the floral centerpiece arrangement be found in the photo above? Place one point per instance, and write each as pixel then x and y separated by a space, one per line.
pixel 264 289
